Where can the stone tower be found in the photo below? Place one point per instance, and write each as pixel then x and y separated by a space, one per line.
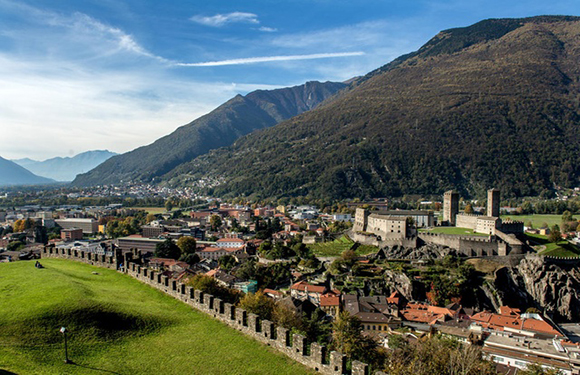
pixel 450 206
pixel 493 202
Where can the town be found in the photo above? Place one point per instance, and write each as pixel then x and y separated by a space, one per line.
pixel 398 275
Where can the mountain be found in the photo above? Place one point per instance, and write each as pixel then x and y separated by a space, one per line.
pixel 13 174
pixel 221 127
pixel 495 104
pixel 66 169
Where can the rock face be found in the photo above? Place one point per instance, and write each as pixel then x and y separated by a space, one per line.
pixel 553 288
pixel 428 251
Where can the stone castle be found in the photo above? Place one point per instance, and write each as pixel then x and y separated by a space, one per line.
pixel 389 228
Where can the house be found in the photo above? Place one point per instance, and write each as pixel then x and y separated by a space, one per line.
pixel 374 312
pixel 167 264
pixel 213 252
pixel 330 304
pixel 520 351
pixel 303 290
pixel 510 320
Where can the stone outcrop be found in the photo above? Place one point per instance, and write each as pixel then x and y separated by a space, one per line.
pixel 551 285
pixel 427 251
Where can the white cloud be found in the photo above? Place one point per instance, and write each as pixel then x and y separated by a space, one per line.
pixel 253 60
pixel 268 29
pixel 221 19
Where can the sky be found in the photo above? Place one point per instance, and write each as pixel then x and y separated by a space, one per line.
pixel 79 75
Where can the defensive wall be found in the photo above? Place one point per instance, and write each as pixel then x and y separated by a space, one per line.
pixel 295 346
pixel 104 261
pixel 366 238
pixel 471 246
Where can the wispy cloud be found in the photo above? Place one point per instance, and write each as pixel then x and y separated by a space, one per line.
pixel 222 19
pixel 268 29
pixel 253 60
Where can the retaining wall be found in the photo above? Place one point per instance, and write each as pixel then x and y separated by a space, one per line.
pixel 295 346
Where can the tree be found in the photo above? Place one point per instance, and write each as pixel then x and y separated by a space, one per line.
pixel 567 216
pixel 347 338
pixel 555 236
pixel 167 249
pixel 469 209
pixel 150 218
pixel 190 258
pixel 169 204
pixel 187 244
pixel 227 262
pixel 259 304
pixel 215 222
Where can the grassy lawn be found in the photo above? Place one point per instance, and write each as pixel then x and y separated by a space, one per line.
pixel 453 230
pixel 557 249
pixel 117 326
pixel 537 220
pixel 336 247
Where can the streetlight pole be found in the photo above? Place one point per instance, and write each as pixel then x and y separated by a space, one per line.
pixel 66 360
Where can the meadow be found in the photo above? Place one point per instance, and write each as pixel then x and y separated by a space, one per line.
pixel 537 220
pixel 116 325
pixel 336 247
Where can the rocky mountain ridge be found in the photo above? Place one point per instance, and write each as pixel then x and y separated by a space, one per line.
pixel 221 127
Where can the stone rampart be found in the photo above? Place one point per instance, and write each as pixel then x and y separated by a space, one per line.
pixel 471 246
pixel 104 261
pixel 371 239
pixel 295 346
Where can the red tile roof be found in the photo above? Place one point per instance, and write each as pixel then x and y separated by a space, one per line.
pixel 329 299
pixel 303 286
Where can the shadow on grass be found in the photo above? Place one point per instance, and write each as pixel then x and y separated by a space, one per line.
pixel 4 372
pixel 94 368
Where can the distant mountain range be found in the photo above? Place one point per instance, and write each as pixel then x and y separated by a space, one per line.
pixel 66 168
pixel 237 117
pixel 13 174
pixel 495 104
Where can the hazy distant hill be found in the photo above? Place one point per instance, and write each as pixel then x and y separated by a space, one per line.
pixel 495 104
pixel 66 168
pixel 221 127
pixel 13 174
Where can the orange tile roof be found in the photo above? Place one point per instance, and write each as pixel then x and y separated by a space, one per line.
pixel 329 300
pixel 303 285
pixel 499 322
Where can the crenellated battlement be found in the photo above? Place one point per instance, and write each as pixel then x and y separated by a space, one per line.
pixel 295 346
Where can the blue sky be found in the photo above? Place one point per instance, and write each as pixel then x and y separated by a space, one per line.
pixel 118 74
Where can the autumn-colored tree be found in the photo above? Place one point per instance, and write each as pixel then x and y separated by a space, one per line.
pixel 259 304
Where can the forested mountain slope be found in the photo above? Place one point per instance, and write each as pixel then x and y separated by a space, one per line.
pixel 221 127
pixel 495 104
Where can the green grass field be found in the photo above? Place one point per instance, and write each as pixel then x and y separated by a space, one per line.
pixel 117 326
pixel 453 230
pixel 557 249
pixel 336 247
pixel 537 220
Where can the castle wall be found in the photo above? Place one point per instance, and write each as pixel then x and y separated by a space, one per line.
pixel 371 239
pixel 466 221
pixel 294 346
pixel 93 259
pixel 470 246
